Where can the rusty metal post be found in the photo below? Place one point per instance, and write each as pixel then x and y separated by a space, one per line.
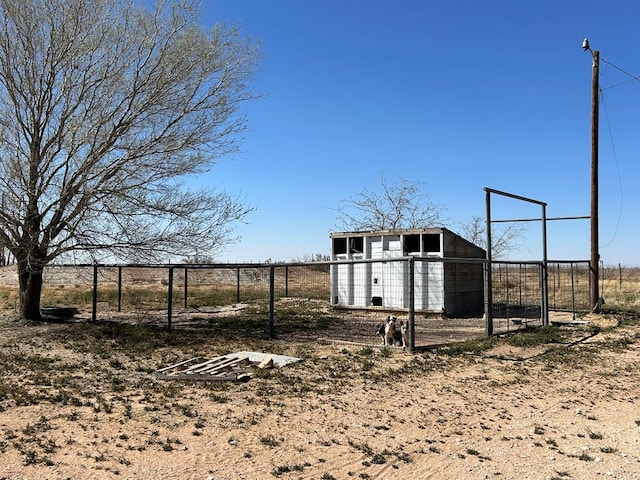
pixel 94 303
pixel 119 289
pixel 238 285
pixel 272 296
pixel 186 287
pixel 169 298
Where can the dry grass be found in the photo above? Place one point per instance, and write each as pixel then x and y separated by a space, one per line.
pixel 621 288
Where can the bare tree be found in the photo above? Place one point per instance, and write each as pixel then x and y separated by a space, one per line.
pixel 504 238
pixel 106 106
pixel 394 205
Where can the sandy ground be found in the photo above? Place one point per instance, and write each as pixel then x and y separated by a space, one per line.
pixel 72 409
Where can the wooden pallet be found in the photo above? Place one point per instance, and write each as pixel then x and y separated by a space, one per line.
pixel 224 368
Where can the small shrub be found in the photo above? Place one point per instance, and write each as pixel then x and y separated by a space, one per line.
pixel 269 441
pixel 363 447
pixel 187 411
pixel 533 337
pixel 279 471
pixel 30 457
pixel 551 442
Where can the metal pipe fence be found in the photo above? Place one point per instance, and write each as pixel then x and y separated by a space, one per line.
pixel 438 300
pixel 569 286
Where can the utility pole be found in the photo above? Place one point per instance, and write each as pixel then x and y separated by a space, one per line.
pixel 594 276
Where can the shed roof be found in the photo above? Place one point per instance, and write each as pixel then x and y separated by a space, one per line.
pixel 403 231
pixel 396 231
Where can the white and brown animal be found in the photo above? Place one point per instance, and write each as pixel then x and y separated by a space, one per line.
pixel 404 333
pixel 387 331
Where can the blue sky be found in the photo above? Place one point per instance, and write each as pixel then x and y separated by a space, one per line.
pixel 457 95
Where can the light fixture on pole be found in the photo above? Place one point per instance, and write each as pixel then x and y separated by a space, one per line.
pixel 594 277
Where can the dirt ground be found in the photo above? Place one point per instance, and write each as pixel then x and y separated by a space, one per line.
pixel 80 401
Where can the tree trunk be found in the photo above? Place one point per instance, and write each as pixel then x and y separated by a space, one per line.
pixel 30 291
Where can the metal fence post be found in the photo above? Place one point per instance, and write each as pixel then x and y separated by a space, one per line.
pixel 620 274
pixel 488 277
pixel 169 298
pixel 412 305
pixel 119 289
pixel 94 303
pixel 573 293
pixel 272 295
pixel 186 287
pixel 488 309
pixel 545 273
pixel 286 281
pixel 238 285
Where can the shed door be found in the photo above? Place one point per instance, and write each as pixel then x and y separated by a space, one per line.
pixel 376 268
pixel 393 275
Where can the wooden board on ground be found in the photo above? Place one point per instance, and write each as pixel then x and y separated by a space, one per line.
pixel 233 367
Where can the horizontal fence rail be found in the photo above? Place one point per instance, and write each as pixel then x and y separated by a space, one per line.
pixel 438 300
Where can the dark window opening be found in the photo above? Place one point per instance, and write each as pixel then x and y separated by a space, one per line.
pixel 431 242
pixel 411 244
pixel 339 246
pixel 356 245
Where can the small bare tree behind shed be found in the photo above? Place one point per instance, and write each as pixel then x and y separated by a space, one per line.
pixel 404 205
pixel 106 106
pixel 394 205
pixel 504 238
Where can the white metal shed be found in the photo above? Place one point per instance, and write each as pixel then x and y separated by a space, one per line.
pixel 449 287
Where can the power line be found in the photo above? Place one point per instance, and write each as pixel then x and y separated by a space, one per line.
pixel 615 157
pixel 633 77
